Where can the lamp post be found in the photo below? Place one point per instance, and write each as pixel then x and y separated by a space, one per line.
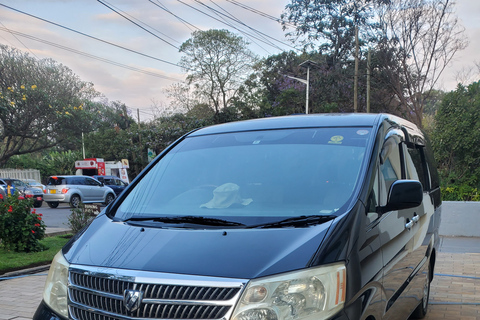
pixel 307 64
pixel 355 81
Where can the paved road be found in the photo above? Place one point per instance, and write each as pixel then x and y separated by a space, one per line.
pixel 55 218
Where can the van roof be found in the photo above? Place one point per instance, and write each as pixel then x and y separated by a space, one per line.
pixel 305 121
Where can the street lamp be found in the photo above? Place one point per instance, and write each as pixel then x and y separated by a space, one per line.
pixel 307 64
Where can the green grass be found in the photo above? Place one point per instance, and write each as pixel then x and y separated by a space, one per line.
pixel 11 261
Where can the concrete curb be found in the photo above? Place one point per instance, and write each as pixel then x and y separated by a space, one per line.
pixel 52 232
pixel 24 272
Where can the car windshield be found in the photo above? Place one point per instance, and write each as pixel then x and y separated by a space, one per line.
pixel 250 176
pixel 18 183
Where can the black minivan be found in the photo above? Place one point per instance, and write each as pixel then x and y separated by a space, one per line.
pixel 285 218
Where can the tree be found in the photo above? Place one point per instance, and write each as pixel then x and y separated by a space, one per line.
pixel 42 103
pixel 217 62
pixel 331 88
pixel 328 24
pixel 419 39
pixel 456 135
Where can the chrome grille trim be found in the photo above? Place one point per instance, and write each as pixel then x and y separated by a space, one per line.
pixel 97 294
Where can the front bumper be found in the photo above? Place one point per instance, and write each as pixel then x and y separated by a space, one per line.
pixel 45 313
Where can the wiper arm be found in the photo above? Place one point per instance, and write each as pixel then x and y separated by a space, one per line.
pixel 187 219
pixel 297 222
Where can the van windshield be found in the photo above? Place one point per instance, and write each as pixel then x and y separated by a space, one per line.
pixel 255 175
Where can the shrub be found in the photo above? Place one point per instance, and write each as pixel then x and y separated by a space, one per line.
pixel 21 228
pixel 79 218
pixel 460 193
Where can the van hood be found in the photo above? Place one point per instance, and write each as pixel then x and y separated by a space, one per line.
pixel 232 253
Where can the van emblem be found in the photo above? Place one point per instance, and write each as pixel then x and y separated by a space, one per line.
pixel 132 299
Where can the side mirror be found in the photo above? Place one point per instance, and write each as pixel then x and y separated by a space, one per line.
pixel 404 194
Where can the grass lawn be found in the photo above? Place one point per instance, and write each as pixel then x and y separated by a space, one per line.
pixel 11 261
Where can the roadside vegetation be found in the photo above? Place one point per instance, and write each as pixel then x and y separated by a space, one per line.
pixel 45 108
pixel 11 261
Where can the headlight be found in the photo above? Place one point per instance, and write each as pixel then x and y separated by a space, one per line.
pixel 316 293
pixel 55 293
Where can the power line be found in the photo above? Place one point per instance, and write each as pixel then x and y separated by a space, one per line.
pixel 243 24
pixel 263 14
pixel 163 7
pixel 19 41
pixel 91 37
pixel 140 21
pixel 235 19
pixel 208 15
pixel 118 64
pixel 153 34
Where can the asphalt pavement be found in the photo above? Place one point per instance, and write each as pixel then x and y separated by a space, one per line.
pixel 56 219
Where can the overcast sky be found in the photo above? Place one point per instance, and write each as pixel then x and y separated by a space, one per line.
pixel 141 90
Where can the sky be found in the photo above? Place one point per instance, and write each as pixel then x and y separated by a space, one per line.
pixel 140 81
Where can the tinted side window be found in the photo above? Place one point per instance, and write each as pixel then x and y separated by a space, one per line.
pixel 418 161
pixel 432 169
pixel 77 181
pixel 91 182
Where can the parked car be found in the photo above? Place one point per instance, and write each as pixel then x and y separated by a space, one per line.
pixel 4 185
pixel 114 182
pixel 283 218
pixel 3 194
pixel 23 189
pixel 34 184
pixel 75 190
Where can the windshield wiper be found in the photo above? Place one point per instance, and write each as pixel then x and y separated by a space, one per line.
pixel 187 219
pixel 297 222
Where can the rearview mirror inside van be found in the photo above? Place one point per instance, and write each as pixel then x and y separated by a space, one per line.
pixel 404 194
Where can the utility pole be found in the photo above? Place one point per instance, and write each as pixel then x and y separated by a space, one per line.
pixel 355 84
pixel 368 80
pixel 138 116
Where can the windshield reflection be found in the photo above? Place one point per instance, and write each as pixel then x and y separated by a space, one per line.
pixel 253 177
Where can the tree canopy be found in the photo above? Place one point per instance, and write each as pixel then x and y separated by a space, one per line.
pixel 412 40
pixel 456 135
pixel 328 26
pixel 217 62
pixel 419 39
pixel 42 103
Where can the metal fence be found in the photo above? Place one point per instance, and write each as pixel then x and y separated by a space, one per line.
pixel 21 174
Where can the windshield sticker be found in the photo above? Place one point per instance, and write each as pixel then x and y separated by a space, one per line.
pixel 362 132
pixel 336 140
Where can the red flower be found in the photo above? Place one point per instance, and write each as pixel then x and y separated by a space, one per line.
pixel 1 196
pixel 40 214
pixel 29 196
pixel 39 218
pixel 37 224
pixel 21 198
pixel 33 231
pixel 34 211
pixel 10 209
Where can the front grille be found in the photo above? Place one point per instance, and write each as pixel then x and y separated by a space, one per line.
pixel 100 296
